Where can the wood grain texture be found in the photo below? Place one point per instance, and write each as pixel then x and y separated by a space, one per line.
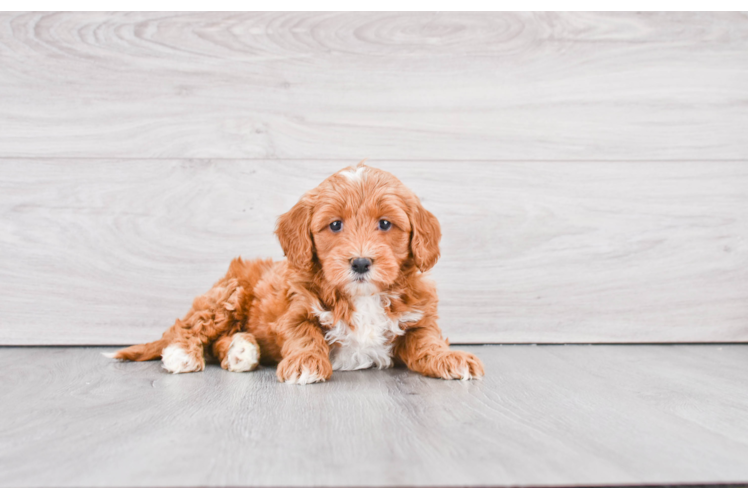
pixel 377 85
pixel 590 169
pixel 544 415
pixel 111 251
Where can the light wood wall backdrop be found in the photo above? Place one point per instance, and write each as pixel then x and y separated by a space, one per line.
pixel 590 170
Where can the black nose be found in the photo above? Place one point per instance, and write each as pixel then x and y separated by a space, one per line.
pixel 361 265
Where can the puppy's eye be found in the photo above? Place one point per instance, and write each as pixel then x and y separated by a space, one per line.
pixel 336 226
pixel 385 225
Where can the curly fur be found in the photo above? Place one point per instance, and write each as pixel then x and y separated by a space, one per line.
pixel 311 314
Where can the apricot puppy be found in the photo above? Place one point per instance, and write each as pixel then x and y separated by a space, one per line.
pixel 350 295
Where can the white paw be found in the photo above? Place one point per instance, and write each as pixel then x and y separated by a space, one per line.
pixel 176 360
pixel 466 375
pixel 243 355
pixel 461 374
pixel 305 378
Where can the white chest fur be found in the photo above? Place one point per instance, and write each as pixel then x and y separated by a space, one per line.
pixel 367 340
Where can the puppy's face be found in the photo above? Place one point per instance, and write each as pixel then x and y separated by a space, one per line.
pixel 363 227
pixel 361 230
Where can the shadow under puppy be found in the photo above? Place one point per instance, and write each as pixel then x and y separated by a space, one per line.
pixel 350 295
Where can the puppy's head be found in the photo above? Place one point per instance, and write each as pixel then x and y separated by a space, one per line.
pixel 363 228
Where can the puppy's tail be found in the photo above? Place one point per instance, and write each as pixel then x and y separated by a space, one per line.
pixel 140 352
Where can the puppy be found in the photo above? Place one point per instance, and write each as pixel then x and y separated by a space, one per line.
pixel 350 295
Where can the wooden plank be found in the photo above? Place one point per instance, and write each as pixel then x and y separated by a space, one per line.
pixel 544 415
pixel 377 85
pixel 111 251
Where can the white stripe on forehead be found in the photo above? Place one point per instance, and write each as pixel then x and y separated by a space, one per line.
pixel 357 175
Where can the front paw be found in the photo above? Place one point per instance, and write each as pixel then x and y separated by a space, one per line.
pixel 454 365
pixel 304 368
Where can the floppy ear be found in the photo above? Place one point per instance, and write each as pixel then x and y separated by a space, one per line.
pixel 425 236
pixel 295 236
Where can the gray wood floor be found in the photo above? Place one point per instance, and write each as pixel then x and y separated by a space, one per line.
pixel 544 415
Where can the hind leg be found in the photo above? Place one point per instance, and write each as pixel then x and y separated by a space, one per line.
pixel 237 353
pixel 184 356
pixel 214 314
